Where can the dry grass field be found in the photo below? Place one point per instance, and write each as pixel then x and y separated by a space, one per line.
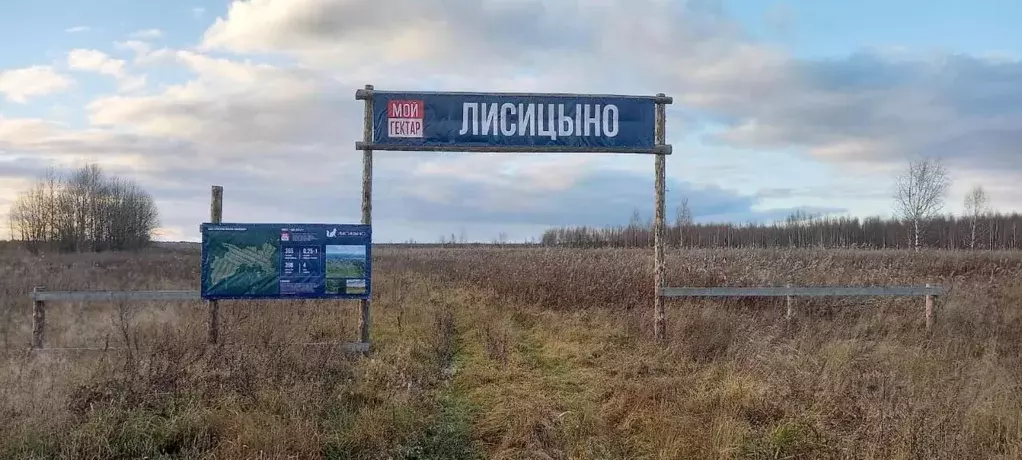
pixel 524 353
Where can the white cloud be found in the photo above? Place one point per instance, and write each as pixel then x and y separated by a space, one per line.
pixel 99 62
pixel 131 83
pixel 48 139
pixel 280 136
pixel 77 29
pixel 868 107
pixel 140 48
pixel 232 101
pixel 146 34
pixel 14 131
pixel 369 33
pixel 20 85
pixel 95 61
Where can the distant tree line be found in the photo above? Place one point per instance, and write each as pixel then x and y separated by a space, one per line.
pixel 918 197
pixel 83 211
pixel 800 230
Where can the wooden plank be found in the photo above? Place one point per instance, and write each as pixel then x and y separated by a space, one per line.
pixel 656 149
pixel 353 347
pixel 812 291
pixel 90 296
pixel 363 94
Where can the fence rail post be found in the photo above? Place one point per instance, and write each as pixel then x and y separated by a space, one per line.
pixel 790 300
pixel 216 213
pixel 38 320
pixel 928 308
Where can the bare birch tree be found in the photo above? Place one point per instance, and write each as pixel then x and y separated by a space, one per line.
pixel 682 220
pixel 919 194
pixel 976 206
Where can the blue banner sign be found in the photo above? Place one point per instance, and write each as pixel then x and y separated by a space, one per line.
pixel 513 122
pixel 286 261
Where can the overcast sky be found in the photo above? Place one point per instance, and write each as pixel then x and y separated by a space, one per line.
pixel 779 105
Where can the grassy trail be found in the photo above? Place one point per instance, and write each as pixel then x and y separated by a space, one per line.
pixel 535 392
pixel 557 385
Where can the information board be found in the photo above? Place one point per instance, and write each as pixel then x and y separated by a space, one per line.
pixel 260 261
pixel 514 122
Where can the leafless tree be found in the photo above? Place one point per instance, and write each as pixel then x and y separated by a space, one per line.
pixel 801 229
pixel 682 220
pixel 919 194
pixel 84 211
pixel 976 206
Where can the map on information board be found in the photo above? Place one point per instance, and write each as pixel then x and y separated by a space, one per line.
pixel 259 261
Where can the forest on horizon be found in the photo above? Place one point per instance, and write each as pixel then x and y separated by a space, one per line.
pixel 802 230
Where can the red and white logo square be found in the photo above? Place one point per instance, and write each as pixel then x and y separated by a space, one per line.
pixel 404 118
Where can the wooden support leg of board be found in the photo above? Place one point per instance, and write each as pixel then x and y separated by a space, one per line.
pixel 216 212
pixel 367 208
pixel 659 316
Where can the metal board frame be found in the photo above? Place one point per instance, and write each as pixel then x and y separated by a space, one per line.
pixel 803 291
pixel 278 227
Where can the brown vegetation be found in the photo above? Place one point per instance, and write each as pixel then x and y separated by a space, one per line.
pixel 525 353
pixel 83 211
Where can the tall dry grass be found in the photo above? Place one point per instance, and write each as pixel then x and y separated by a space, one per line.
pixel 525 353
pixel 621 278
pixel 850 378
pixel 160 392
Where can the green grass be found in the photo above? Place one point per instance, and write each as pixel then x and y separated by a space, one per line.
pixel 344 269
pixel 334 286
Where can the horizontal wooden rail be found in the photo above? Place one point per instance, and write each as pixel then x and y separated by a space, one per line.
pixel 790 292
pixel 40 297
pixel 353 347
pixel 799 291
pixel 90 296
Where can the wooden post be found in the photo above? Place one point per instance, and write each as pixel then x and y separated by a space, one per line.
pixel 38 320
pixel 929 309
pixel 659 317
pixel 791 305
pixel 216 212
pixel 367 205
